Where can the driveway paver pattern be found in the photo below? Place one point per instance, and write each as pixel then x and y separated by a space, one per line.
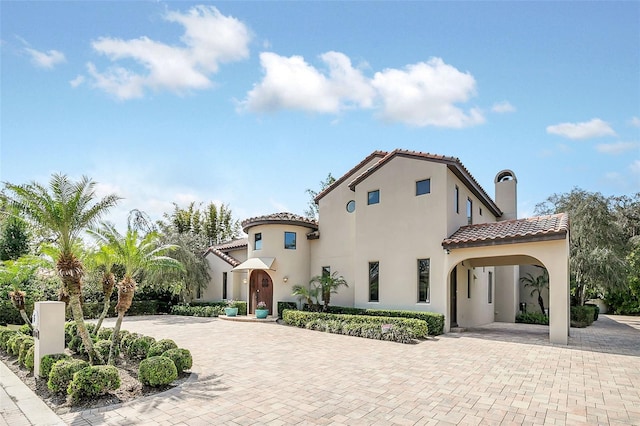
pixel 249 373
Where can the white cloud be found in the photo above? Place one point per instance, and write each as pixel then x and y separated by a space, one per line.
pixel 77 81
pixel 426 94
pixel 617 147
pixel 635 167
pixel 47 59
pixel 291 83
pixel 209 39
pixel 503 107
pixel 635 121
pixel 588 129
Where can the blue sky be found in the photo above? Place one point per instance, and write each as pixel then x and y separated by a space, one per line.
pixel 251 103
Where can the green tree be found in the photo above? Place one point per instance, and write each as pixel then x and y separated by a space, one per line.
pixel 14 238
pixel 64 210
pixel 16 274
pixel 328 284
pixel 537 285
pixel 309 294
pixel 214 224
pixel 597 244
pixel 137 256
pixel 312 208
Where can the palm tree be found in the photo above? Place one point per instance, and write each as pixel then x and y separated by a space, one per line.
pixel 537 284
pixel 307 294
pixel 136 255
pixel 103 260
pixel 328 284
pixel 15 273
pixel 65 210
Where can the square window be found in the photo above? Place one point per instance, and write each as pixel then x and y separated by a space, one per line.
pixel 257 245
pixel 374 280
pixel 423 280
pixel 423 186
pixel 290 240
pixel 373 197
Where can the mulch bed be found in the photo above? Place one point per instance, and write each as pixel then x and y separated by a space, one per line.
pixel 130 387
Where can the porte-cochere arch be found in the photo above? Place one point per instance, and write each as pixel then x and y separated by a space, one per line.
pixel 542 241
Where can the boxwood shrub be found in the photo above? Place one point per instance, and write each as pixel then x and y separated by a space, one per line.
pixel 126 340
pixel 197 311
pixel 434 321
pixel 181 358
pixel 582 316
pixel 27 343
pixel 62 373
pixel 139 348
pixel 47 361
pixel 532 318
pixel 105 333
pixel 5 334
pixel 15 341
pixel 157 371
pixel 397 329
pixel 161 346
pixel 286 305
pixel 102 348
pixel 93 381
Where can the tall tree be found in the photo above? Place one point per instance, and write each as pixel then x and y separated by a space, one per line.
pixel 16 273
pixel 14 238
pixel 537 285
pixel 65 210
pixel 214 224
pixel 312 208
pixel 136 255
pixel 596 250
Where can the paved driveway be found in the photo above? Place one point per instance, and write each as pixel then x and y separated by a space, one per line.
pixel 251 373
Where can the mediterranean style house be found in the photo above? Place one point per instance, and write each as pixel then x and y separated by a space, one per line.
pixel 407 230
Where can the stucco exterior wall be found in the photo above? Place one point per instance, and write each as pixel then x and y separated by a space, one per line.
pixel 293 264
pixel 217 266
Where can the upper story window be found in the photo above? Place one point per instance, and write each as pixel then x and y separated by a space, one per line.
pixel 290 240
pixel 469 211
pixel 373 197
pixel 351 206
pixel 480 211
pixel 257 242
pixel 423 186
pixel 456 199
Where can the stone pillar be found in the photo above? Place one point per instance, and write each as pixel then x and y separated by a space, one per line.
pixel 48 331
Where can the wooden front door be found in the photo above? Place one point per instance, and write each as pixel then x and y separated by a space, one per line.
pixel 261 290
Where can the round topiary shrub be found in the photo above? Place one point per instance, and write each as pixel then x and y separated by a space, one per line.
pixel 93 381
pixel 62 373
pixel 126 339
pixel 47 361
pixel 75 343
pixel 161 346
pixel 24 347
pixel 139 347
pixel 102 348
pixel 29 358
pixel 180 357
pixel 157 371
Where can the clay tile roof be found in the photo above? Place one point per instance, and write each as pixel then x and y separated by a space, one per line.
pixel 229 259
pixel 232 245
pixel 539 228
pixel 374 154
pixel 452 163
pixel 280 218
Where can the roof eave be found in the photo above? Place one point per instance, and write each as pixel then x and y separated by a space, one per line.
pixel 549 236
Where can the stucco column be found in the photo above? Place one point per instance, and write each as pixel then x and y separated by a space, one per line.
pixel 559 317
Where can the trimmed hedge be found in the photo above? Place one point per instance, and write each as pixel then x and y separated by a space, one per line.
pixel 161 346
pixel 532 318
pixel 241 305
pixel 596 310
pixel 47 361
pixel 582 316
pixel 286 305
pixel 197 311
pixel 181 358
pixel 434 321
pixel 62 373
pixel 397 329
pixel 102 348
pixel 93 381
pixel 157 371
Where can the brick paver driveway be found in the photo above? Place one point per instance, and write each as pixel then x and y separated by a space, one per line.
pixel 249 373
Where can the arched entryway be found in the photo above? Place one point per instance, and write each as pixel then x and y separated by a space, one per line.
pixel 260 290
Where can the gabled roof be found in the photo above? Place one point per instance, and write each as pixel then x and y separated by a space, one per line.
pixel 452 163
pixel 538 228
pixel 280 218
pixel 229 259
pixel 374 154
pixel 240 243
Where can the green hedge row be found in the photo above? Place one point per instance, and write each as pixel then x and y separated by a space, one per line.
pixel 286 305
pixel 208 309
pixel 532 318
pixel 403 330
pixel 435 321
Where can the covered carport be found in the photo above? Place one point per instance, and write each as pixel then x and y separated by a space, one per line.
pixel 541 240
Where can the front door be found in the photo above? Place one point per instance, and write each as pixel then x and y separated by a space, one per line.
pixel 261 290
pixel 454 298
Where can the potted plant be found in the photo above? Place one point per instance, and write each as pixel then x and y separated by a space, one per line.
pixel 261 310
pixel 230 310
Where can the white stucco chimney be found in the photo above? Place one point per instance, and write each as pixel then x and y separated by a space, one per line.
pixel 507 194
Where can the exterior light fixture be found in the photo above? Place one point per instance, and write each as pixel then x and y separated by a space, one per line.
pixel 285 279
